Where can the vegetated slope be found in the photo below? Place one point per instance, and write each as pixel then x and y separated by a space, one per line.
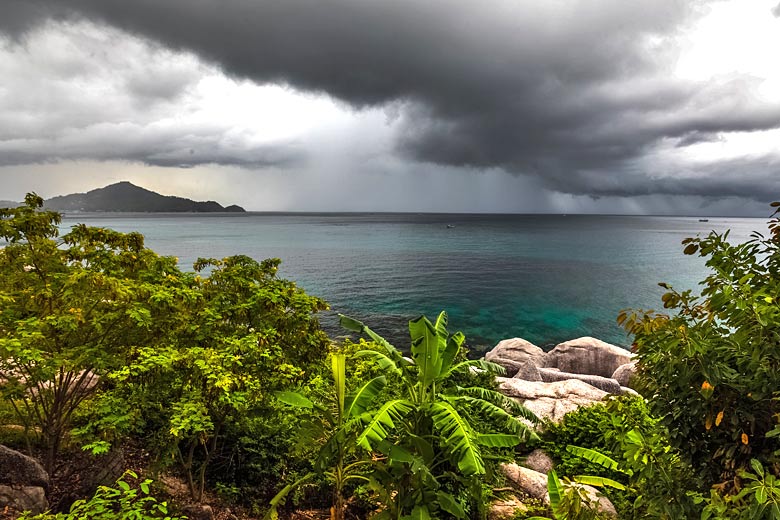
pixel 125 196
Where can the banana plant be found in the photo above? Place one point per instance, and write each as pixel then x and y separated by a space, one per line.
pixel 426 438
pixel 338 422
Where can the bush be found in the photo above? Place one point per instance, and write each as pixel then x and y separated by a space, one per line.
pixel 712 369
pixel 599 427
pixel 125 502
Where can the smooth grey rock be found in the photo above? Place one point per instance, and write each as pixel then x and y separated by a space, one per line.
pixel 538 460
pixel 602 503
pixel 534 484
pixel 528 481
pixel 528 371
pixel 513 353
pixel 23 498
pixel 624 390
pixel 587 355
pixel 550 400
pixel 505 509
pixel 550 375
pixel 624 373
pixel 17 469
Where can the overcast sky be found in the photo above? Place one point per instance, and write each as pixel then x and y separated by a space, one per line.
pixel 608 106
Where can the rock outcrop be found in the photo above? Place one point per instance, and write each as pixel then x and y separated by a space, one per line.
pixel 587 355
pixel 550 400
pixel 527 481
pixel 23 482
pixel 538 460
pixel 609 385
pixel 534 484
pixel 506 509
pixel 513 354
pixel 624 373
pixel 575 373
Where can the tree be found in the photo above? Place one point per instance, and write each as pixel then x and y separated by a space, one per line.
pixel 94 317
pixel 711 371
pixel 71 311
pixel 243 335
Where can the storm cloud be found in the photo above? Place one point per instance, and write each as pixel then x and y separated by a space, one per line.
pixel 580 96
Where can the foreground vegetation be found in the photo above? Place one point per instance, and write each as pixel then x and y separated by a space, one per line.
pixel 225 378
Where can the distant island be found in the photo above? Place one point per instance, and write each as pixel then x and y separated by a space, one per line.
pixel 127 197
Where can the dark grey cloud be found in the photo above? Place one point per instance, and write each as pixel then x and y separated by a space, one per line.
pixel 756 179
pixel 20 16
pixel 574 93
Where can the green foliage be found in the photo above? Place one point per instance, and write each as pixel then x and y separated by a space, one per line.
pixel 618 444
pixel 72 310
pixel 334 424
pixel 125 502
pixel 99 333
pixel 592 427
pixel 244 335
pixel 429 456
pixel 569 500
pixel 712 369
pixel 759 498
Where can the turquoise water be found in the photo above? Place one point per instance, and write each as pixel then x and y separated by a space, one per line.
pixel 544 278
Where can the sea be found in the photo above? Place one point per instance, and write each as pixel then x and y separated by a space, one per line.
pixel 544 278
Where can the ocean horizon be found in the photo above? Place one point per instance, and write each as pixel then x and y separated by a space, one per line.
pixel 543 277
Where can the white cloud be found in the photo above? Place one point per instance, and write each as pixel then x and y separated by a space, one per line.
pixel 78 91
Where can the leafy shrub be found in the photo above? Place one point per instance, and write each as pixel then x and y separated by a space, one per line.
pixel 598 428
pixel 433 457
pixel 125 502
pixel 712 369
pixel 759 498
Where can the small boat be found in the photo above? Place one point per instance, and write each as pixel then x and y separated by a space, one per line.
pixel 704 220
pixel 450 226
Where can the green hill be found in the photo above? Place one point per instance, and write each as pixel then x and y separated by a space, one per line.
pixel 127 197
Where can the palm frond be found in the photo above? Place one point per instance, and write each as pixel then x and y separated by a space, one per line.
pixel 358 326
pixel 383 361
pixel 339 368
pixel 282 495
pixel 358 402
pixel 384 419
pixel 480 364
pixel 449 504
pixel 498 440
pixel 554 490
pixel 595 457
pixel 592 480
pixel 458 438
pixel 502 401
pixel 498 414
pixel 454 344
pixel 294 399
pixel 426 351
